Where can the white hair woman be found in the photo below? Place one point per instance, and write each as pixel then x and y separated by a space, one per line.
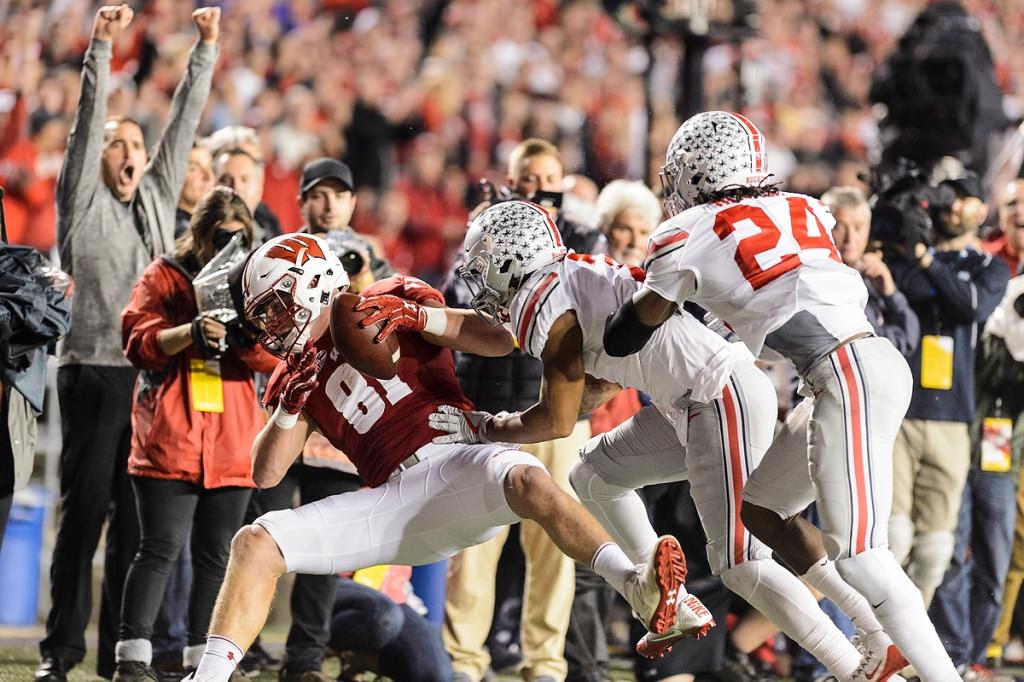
pixel 627 213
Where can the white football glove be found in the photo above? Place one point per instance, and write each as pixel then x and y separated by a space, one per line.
pixel 460 426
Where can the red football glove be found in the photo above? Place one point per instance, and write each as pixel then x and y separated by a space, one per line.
pixel 396 313
pixel 299 380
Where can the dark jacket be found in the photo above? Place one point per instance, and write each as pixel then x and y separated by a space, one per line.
pixel 893 319
pixel 1000 393
pixel 952 297
pixel 511 382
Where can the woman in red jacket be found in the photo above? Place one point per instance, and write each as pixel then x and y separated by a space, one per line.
pixel 194 418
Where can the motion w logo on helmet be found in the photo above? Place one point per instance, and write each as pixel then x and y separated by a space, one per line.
pixel 296 249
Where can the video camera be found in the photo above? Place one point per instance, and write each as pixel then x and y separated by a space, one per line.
pixel 490 194
pixel 906 206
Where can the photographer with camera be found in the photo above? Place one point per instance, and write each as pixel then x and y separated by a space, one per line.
pixel 535 173
pixel 194 416
pixel 887 309
pixel 953 287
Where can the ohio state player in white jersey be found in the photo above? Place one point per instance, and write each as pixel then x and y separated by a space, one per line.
pixel 764 262
pixel 721 407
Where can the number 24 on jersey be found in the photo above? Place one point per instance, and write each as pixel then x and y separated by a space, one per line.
pixel 765 249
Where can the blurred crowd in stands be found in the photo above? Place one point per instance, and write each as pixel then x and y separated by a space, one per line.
pixel 422 98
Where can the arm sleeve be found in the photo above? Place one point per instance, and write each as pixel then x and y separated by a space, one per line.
pixel 900 324
pixel 166 171
pixel 144 318
pixel 79 178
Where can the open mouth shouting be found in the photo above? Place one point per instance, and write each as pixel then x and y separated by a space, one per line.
pixel 126 173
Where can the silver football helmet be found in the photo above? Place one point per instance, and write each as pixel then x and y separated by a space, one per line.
pixel 711 152
pixel 504 244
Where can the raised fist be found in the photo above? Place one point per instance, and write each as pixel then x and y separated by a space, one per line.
pixel 111 20
pixel 207 21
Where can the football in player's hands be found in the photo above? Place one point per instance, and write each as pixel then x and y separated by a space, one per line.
pixel 356 342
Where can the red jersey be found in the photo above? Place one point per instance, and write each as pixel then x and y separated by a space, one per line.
pixel 379 423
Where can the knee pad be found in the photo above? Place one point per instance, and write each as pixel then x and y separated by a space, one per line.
pixel 589 486
pixel 743 578
pixel 874 573
pixel 929 559
pixel 901 537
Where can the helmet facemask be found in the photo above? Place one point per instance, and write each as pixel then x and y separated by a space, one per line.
pixel 288 283
pixel 491 285
pixel 283 322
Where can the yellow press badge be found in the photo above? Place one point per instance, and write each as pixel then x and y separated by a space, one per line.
pixel 207 387
pixel 937 362
pixel 995 444
pixel 373 576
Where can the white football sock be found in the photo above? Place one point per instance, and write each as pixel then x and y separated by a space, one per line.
pixel 191 655
pixel 898 606
pixel 612 564
pixel 218 661
pixel 140 650
pixel 824 577
pixel 619 509
pixel 787 602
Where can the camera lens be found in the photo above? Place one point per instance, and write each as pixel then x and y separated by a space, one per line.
pixel 353 263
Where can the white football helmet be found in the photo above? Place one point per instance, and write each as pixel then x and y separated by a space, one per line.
pixel 711 152
pixel 286 284
pixel 504 244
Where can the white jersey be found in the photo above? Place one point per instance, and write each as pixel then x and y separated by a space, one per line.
pixel 684 359
pixel 768 267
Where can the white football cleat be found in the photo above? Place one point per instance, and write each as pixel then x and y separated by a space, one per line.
pixel 881 659
pixel 660 601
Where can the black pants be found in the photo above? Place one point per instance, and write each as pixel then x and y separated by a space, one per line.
pixel 166 511
pixel 586 641
pixel 6 466
pixel 95 412
pixel 409 648
pixel 312 595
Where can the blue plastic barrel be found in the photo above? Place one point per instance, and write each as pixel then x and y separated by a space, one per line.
pixel 19 565
pixel 428 584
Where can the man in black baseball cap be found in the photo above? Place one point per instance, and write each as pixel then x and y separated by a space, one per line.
pixel 327 201
pixel 326 196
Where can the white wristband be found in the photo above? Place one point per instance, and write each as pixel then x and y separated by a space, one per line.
pixel 284 420
pixel 437 321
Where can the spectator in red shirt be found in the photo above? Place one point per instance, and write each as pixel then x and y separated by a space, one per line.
pixel 29 176
pixel 437 213
pixel 194 417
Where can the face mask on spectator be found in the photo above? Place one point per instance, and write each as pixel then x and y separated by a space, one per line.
pixel 221 237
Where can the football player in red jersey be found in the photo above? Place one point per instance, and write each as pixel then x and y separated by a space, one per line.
pixel 424 501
